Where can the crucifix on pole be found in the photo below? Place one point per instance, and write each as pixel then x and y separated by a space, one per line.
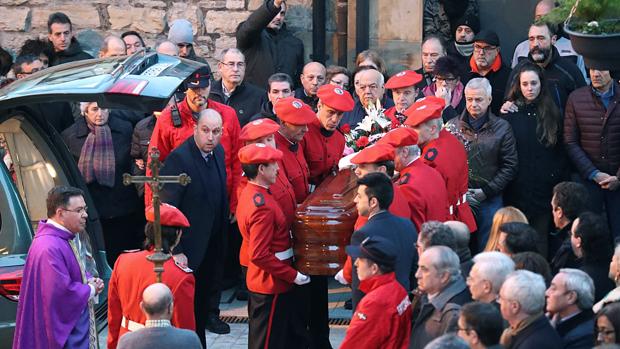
pixel 156 182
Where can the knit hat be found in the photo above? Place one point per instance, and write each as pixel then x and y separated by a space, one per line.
pixel 468 20
pixel 181 32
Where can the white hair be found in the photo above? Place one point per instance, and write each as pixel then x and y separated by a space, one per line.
pixel 231 50
pixel 446 261
pixel 84 107
pixel 494 267
pixel 480 84
pixel 527 289
pixel 412 151
pixel 581 283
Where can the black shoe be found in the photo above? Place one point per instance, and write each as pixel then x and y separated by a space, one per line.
pixel 217 326
pixel 348 304
pixel 242 295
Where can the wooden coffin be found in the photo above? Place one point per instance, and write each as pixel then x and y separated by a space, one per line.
pixel 323 225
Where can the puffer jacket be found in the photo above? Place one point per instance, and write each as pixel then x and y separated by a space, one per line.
pixel 591 133
pixel 491 152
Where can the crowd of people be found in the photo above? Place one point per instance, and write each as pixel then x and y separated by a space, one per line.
pixel 487 215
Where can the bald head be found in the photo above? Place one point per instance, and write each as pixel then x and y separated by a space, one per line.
pixel 543 8
pixel 157 302
pixel 168 48
pixel 369 86
pixel 461 233
pixel 313 77
pixel 112 46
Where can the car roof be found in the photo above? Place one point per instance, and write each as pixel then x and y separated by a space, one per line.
pixel 144 81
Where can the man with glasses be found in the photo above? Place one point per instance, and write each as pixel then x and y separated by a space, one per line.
pixel 55 308
pixel 182 34
pixel 232 90
pixel 487 62
pixel 487 276
pixel 312 77
pixel 205 204
pixel 480 325
pixel 268 45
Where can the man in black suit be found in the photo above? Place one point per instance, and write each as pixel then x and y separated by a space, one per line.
pixel 374 196
pixel 204 203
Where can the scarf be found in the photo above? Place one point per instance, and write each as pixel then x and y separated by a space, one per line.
pixel 509 333
pixel 465 50
pixel 97 161
pixel 457 93
pixel 497 64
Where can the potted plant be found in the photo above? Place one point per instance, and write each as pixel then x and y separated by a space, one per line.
pixel 594 30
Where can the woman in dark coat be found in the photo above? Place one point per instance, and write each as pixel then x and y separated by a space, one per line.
pixel 101 146
pixel 543 162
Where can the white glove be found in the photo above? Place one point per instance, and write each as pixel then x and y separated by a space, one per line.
pixel 301 279
pixel 340 277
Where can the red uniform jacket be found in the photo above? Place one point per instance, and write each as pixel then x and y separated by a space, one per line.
pixel 399 207
pixel 166 138
pixel 425 192
pixel 383 317
pixel 261 220
pixel 391 113
pixel 131 275
pixel 448 156
pixel 284 195
pixel 322 150
pixel 294 166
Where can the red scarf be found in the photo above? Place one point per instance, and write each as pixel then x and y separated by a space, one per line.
pixel 497 64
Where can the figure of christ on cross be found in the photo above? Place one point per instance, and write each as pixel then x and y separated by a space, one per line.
pixel 156 182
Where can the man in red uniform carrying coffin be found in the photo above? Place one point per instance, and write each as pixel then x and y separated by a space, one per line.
pixel 404 93
pixel 422 186
pixel 270 273
pixel 444 152
pixel 294 116
pixel 324 143
pixel 133 273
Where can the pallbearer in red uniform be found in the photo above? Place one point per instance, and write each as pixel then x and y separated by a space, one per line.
pixel 294 116
pixel 376 158
pixel 442 151
pixel 270 272
pixel 404 93
pixel 133 273
pixel 324 143
pixel 422 186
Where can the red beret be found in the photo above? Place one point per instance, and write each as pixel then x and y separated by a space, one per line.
pixel 405 78
pixel 294 111
pixel 169 216
pixel 258 129
pixel 400 137
pixel 425 109
pixel 373 154
pixel 335 97
pixel 258 153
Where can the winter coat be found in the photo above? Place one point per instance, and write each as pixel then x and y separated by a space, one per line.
pixel 246 99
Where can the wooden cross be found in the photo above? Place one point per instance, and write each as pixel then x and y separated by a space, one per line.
pixel 156 182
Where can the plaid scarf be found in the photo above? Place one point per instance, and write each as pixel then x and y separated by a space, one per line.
pixel 97 156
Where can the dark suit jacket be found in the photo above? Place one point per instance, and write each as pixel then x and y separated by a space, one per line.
pixel 578 331
pixel 539 334
pixel 160 337
pixel 398 230
pixel 203 201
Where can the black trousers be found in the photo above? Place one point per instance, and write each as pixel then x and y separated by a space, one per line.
pixel 208 291
pixel 312 314
pixel 123 233
pixel 270 321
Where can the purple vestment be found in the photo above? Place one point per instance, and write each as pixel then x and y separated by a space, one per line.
pixel 53 298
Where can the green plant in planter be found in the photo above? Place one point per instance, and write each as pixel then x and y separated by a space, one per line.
pixel 590 17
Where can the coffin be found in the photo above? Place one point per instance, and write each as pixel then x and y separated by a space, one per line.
pixel 323 225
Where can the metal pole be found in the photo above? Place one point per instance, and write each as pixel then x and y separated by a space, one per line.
pixel 342 22
pixel 318 31
pixel 362 25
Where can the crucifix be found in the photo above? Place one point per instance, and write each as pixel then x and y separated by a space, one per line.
pixel 156 182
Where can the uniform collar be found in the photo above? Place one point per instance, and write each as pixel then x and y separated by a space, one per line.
pixel 376 281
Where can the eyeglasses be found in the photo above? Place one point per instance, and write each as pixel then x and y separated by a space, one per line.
pixel 604 332
pixel 232 65
pixel 440 79
pixel 78 210
pixel 182 45
pixel 485 49
pixel 339 83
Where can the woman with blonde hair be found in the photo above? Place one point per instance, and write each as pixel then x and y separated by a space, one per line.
pixel 503 215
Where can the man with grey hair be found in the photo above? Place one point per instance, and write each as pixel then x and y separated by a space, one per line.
pixel 487 276
pixel 461 237
pixel 369 88
pixel 421 185
pixel 158 332
pixel 569 302
pixel 112 46
pixel 614 274
pixel 167 48
pixel 444 292
pixel 522 301
pixel 245 98
pixel 491 152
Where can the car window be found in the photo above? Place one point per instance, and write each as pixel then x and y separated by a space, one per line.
pixel 15 234
pixel 31 164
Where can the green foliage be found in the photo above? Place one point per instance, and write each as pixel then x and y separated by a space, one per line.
pixel 605 14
